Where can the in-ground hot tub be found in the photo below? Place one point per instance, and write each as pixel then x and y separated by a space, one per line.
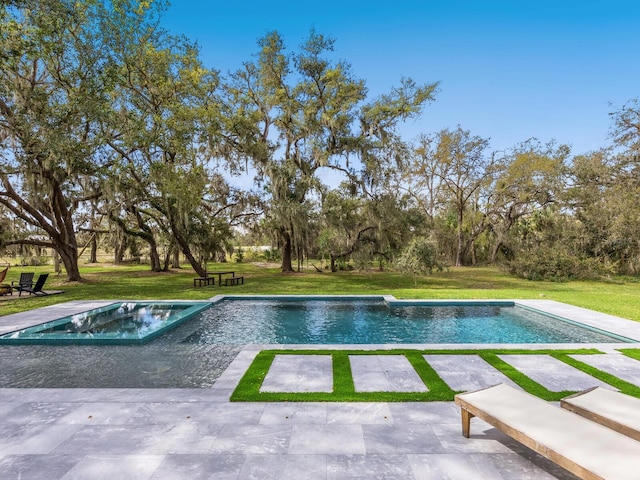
pixel 117 324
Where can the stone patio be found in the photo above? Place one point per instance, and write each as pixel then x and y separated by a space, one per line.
pixel 192 434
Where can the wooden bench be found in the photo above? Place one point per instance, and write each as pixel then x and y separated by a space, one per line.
pixel 585 448
pixel 204 281
pixel 614 410
pixel 234 281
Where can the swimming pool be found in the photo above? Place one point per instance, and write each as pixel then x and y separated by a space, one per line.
pixel 315 321
pixel 198 350
pixel 353 321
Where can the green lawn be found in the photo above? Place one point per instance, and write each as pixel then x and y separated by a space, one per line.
pixel 620 296
pixel 248 390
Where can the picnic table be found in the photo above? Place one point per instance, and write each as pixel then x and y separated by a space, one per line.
pixel 210 278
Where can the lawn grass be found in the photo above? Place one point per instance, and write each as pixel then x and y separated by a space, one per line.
pixel 248 389
pixel 620 296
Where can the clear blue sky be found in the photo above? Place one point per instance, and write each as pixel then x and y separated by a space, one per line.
pixel 509 70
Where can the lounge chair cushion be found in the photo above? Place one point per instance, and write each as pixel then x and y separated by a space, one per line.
pixel 612 409
pixel 583 447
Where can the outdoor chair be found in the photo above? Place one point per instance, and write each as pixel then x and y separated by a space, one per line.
pixel 26 281
pixel 5 288
pixel 610 408
pixel 37 288
pixel 585 448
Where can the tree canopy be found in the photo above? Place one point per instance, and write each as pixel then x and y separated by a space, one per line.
pixel 113 133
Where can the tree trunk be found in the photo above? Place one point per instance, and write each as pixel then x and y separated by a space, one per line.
pixel 69 256
pixel 175 260
pixel 154 258
pixel 474 259
pixel 118 253
pixel 56 262
pixel 183 244
pixel 460 246
pixel 286 252
pixel 93 253
pixel 199 269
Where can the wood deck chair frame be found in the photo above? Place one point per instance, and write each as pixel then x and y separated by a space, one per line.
pixel 37 287
pixel 5 288
pixel 585 448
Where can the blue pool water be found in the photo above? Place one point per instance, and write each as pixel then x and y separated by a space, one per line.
pixel 118 323
pixel 376 322
pixel 193 352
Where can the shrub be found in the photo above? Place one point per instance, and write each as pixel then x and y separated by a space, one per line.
pixel 419 258
pixel 554 264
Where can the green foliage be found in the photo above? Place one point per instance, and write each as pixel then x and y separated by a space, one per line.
pixel 419 258
pixel 271 255
pixel 238 254
pixel 295 113
pixel 555 264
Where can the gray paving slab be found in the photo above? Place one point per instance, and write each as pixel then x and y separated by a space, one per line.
pixel 383 467
pixel 34 438
pixel 199 467
pixel 299 373
pixel 393 439
pixel 359 413
pixel 483 439
pixel 284 467
pixel 36 467
pixel 252 439
pixel 384 373
pixel 466 372
pixel 327 439
pixel 122 467
pixel 294 412
pixel 552 373
pixel 617 364
pixel 440 466
pixel 140 439
pixel 424 413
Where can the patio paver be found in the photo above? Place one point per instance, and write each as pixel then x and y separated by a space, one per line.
pixel 299 373
pixel 466 372
pixel 616 364
pixel 551 373
pixel 384 373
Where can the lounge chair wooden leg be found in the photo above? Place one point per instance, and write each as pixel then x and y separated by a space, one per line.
pixel 466 422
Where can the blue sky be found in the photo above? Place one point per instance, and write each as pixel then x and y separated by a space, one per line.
pixel 508 70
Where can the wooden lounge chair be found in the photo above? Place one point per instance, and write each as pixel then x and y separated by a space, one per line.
pixel 5 288
pixel 584 448
pixel 36 289
pixel 614 410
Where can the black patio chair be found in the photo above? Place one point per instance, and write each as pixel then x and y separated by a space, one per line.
pixel 26 281
pixel 37 287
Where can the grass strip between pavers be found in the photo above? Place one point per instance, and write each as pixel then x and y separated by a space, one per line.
pixel 248 389
pixel 631 352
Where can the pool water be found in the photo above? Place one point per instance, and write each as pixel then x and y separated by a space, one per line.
pixel 376 322
pixel 193 352
pixel 118 323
